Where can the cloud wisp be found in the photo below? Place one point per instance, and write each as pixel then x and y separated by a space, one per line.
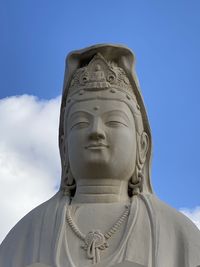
pixel 192 214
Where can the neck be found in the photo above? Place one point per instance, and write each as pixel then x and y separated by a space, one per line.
pixel 101 191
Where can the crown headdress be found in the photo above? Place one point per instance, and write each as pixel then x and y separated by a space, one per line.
pixel 99 74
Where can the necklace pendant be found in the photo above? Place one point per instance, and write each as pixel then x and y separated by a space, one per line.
pixel 94 242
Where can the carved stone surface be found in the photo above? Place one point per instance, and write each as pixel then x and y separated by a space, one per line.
pixel 105 213
pixel 38 265
pixel 122 264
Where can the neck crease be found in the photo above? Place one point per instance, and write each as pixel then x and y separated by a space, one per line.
pixel 101 191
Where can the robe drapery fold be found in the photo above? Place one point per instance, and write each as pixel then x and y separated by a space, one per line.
pixel 172 240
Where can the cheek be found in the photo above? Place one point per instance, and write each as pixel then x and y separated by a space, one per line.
pixel 123 140
pixel 123 153
pixel 74 143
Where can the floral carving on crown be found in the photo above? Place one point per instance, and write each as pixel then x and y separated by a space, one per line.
pixel 99 74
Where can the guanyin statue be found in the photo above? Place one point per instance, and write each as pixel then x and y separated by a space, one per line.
pixel 105 213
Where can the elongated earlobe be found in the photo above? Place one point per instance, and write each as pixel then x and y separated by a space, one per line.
pixel 68 185
pixel 144 146
pixel 137 180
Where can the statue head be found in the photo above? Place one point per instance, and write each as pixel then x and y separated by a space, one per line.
pixel 104 130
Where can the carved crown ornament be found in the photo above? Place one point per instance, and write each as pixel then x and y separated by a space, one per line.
pixel 100 74
pixel 103 78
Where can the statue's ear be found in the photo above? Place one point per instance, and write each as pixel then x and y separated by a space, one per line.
pixel 143 146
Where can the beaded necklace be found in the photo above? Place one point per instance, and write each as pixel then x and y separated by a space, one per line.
pixel 95 241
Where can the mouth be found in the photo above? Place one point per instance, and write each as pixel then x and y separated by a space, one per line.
pixel 96 146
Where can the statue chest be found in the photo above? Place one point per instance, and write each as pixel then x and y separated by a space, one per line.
pixel 94 232
pixel 94 221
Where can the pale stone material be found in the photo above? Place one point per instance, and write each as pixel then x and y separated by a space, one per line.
pixel 105 213
pixel 38 265
pixel 123 264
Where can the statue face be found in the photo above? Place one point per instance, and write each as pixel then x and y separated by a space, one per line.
pixel 101 140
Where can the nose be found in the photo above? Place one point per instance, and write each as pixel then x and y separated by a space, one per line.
pixel 96 130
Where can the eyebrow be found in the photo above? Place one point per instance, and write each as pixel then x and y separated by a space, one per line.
pixel 117 112
pixel 79 112
pixel 110 112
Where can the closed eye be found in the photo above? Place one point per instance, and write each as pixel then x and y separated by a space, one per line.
pixel 115 124
pixel 80 125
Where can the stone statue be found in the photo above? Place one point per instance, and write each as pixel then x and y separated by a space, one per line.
pixel 105 213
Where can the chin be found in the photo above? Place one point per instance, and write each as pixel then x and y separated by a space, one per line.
pixel 97 159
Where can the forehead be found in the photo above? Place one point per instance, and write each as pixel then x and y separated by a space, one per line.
pixel 100 107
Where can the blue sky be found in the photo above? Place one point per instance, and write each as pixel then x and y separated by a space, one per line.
pixel 36 36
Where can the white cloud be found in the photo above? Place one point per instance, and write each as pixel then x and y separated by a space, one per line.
pixel 192 214
pixel 29 155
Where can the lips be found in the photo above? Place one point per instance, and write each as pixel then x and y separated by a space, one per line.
pixel 96 146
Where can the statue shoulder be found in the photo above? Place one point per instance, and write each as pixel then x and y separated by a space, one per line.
pixel 169 217
pixel 34 218
pixel 175 235
pixel 37 230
